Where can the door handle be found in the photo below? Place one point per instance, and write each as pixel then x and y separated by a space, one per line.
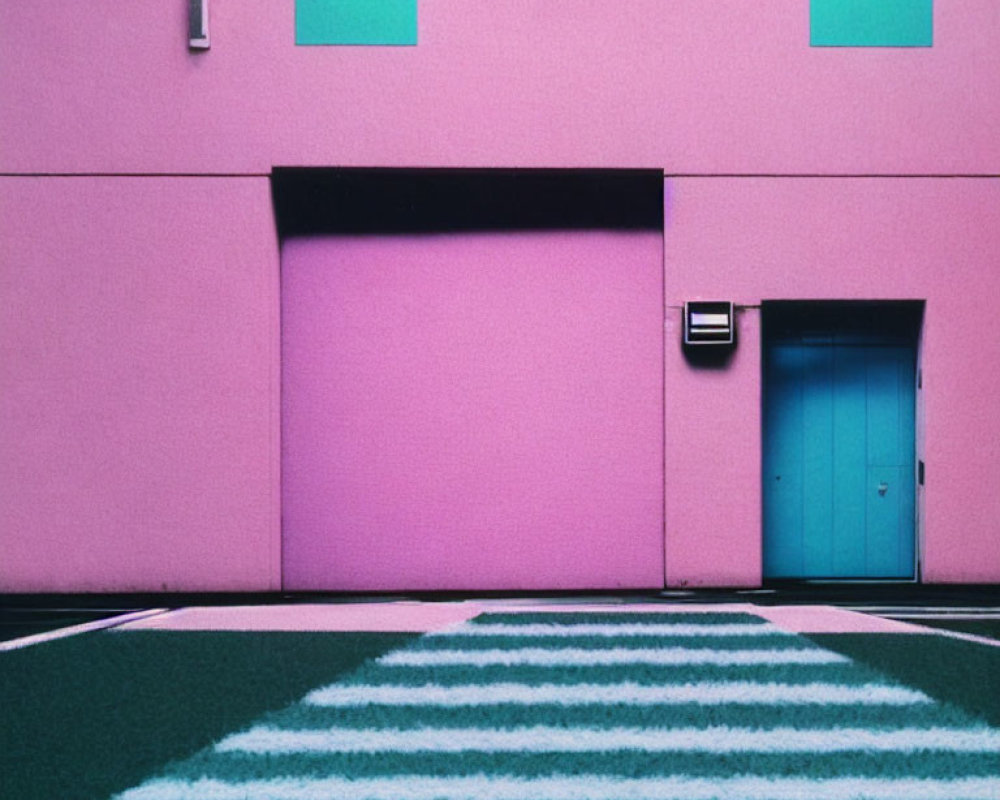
pixel 883 487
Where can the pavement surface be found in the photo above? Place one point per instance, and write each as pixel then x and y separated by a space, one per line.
pixel 591 701
pixel 755 694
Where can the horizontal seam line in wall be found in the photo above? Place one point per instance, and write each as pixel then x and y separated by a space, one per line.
pixel 135 174
pixel 954 176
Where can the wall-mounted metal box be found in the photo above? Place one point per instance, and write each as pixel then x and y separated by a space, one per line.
pixel 709 323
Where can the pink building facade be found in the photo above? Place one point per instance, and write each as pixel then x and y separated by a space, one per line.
pixel 208 386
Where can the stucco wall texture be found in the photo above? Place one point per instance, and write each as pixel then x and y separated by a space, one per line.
pixel 732 87
pixel 138 387
pixel 756 239
pixel 140 266
pixel 487 413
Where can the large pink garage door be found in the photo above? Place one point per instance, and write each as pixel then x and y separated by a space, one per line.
pixel 472 411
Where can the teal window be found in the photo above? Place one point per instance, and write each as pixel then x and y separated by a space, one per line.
pixel 364 22
pixel 871 23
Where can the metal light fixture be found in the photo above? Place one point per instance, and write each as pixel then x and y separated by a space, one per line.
pixel 198 25
pixel 709 323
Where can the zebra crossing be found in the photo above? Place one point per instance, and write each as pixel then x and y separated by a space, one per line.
pixel 569 705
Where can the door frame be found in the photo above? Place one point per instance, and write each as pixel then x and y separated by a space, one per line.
pixel 888 318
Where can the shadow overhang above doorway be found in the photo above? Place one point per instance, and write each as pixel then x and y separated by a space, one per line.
pixel 311 201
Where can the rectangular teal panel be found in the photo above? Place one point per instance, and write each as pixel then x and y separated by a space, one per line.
pixel 850 412
pixel 782 457
pixel 356 22
pixel 817 462
pixel 838 425
pixel 871 23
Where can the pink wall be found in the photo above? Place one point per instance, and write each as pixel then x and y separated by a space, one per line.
pixel 138 386
pixel 800 238
pixel 474 411
pixel 726 87
pixel 712 435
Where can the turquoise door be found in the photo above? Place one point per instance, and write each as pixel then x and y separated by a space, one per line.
pixel 838 458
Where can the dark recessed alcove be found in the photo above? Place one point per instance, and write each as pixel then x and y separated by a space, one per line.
pixel 312 201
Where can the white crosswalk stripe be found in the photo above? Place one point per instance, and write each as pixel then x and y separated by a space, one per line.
pixel 570 657
pixel 612 629
pixel 545 739
pixel 733 692
pixel 577 787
